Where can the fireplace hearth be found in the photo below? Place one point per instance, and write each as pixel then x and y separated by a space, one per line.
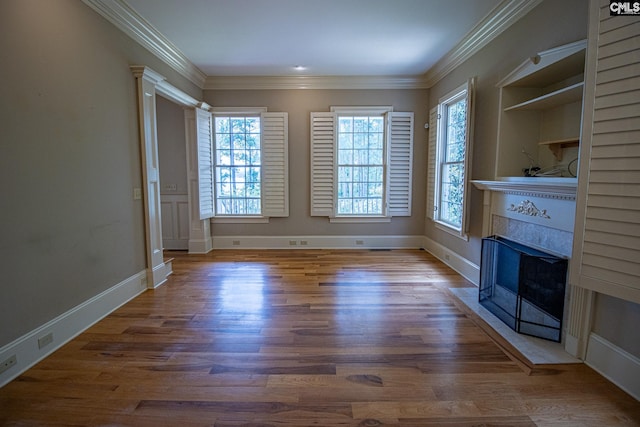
pixel 524 287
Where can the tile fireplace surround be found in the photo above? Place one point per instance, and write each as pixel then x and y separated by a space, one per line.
pixel 537 212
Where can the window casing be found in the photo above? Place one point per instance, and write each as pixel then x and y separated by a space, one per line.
pixel 450 131
pixel 242 160
pixel 238 165
pixel 361 163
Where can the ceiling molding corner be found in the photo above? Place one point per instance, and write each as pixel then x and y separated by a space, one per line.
pixel 125 18
pixel 498 20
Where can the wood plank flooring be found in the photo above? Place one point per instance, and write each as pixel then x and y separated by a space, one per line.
pixel 303 338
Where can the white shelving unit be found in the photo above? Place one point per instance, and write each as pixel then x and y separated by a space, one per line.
pixel 540 113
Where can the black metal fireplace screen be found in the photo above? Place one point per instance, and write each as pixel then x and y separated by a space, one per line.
pixel 523 287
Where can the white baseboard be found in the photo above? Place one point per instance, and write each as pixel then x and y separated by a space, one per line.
pixel 463 266
pixel 200 246
pixel 67 326
pixel 317 242
pixel 615 364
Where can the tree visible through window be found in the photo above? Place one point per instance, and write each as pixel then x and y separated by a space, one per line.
pixel 360 165
pixel 237 165
pixel 450 134
pixel 452 164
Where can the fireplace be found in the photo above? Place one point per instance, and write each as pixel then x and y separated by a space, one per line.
pixel 524 287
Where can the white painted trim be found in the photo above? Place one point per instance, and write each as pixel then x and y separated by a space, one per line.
pixel 498 20
pixel 461 265
pixel 127 20
pixel 313 82
pixel 68 325
pixel 200 246
pixel 317 242
pixel 615 364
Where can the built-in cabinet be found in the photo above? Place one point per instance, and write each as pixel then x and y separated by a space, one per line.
pixel 540 114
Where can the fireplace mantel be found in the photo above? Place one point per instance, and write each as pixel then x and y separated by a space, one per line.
pixel 538 212
pixel 553 188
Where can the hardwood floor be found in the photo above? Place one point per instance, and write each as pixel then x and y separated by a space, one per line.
pixel 303 338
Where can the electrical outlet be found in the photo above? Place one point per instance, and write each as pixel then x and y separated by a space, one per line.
pixel 12 361
pixel 303 243
pixel 359 242
pixel 292 243
pixel 236 243
pixel 45 340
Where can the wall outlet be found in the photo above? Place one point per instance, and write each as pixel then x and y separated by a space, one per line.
pixel 137 193
pixel 303 243
pixel 359 242
pixel 45 340
pixel 6 364
pixel 236 243
pixel 292 243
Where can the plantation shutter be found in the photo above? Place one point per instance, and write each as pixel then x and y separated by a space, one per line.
pixel 608 233
pixel 275 164
pixel 323 133
pixel 431 163
pixel 400 163
pixel 471 89
pixel 205 160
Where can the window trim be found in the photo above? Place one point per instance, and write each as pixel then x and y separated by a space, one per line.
pixel 363 111
pixel 264 116
pixel 436 154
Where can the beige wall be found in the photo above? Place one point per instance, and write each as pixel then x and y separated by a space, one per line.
pixel 69 159
pixel 552 23
pixel 299 104
pixel 172 152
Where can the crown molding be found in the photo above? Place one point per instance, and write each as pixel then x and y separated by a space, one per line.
pixel 314 82
pixel 120 14
pixel 498 20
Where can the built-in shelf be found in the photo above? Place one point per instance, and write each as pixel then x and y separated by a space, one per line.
pixel 562 96
pixel 557 146
pixel 541 100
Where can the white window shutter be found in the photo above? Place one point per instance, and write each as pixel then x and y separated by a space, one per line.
pixel 400 163
pixel 275 164
pixel 431 163
pixel 471 92
pixel 323 133
pixel 205 158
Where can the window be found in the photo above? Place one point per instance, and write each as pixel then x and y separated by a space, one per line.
pixel 242 164
pixel 237 165
pixel 361 161
pixel 360 165
pixel 449 154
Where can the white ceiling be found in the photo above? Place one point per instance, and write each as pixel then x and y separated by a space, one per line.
pixel 328 37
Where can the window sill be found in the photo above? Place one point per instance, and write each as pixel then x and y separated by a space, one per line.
pixel 359 219
pixel 240 220
pixel 457 233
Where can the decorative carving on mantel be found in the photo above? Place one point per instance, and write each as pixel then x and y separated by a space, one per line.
pixel 568 197
pixel 527 207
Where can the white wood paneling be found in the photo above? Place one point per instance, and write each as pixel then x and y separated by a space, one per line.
pixel 608 234
pixel 400 163
pixel 175 221
pixel 323 133
pixel 275 164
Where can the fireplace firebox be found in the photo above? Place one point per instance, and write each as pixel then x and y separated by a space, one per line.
pixel 523 287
